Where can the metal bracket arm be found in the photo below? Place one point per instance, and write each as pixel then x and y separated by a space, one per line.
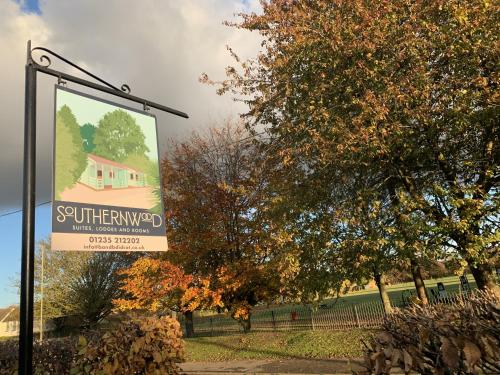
pixel 124 92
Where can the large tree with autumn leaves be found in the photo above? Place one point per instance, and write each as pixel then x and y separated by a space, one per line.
pixel 215 189
pixel 386 102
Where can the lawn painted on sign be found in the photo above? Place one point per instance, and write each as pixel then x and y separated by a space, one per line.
pixel 275 345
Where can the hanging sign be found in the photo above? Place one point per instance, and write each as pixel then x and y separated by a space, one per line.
pixel 107 192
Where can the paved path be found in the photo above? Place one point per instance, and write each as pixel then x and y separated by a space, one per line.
pixel 276 367
pixel 284 366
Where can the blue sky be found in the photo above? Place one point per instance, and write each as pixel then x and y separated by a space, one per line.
pixel 10 266
pixel 30 6
pixel 10 232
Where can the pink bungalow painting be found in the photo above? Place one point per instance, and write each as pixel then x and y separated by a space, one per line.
pixel 101 180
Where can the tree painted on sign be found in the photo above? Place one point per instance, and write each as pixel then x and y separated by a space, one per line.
pixel 118 136
pixel 71 160
pixel 87 132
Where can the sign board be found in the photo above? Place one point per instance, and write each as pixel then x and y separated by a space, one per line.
pixel 106 177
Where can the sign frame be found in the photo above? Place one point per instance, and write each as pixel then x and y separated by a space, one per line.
pixel 99 236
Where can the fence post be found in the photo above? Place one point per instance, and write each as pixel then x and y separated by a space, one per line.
pixel 312 318
pixel 211 327
pixel 356 316
pixel 274 320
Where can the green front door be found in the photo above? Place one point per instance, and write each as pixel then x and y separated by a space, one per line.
pixel 122 177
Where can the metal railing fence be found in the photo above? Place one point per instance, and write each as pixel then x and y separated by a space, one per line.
pixel 363 315
pixel 305 317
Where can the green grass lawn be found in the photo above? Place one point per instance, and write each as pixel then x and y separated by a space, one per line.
pixel 371 295
pixel 276 345
pixel 452 285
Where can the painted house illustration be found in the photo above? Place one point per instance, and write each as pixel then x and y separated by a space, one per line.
pixel 108 174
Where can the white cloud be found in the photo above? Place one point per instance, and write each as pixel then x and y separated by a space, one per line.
pixel 159 48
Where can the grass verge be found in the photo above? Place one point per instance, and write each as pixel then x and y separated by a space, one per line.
pixel 276 345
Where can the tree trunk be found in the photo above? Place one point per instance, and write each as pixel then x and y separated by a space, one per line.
pixel 246 324
pixel 188 316
pixel 382 289
pixel 485 279
pixel 483 273
pixel 416 273
pixel 415 267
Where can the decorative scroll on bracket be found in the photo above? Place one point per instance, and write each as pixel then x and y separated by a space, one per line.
pixel 45 61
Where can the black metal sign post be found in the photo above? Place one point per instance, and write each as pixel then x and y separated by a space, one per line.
pixel 29 182
pixel 28 236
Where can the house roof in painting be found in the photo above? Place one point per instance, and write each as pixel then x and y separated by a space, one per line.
pixel 101 160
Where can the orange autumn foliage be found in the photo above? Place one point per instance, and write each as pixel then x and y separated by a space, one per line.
pixel 154 285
